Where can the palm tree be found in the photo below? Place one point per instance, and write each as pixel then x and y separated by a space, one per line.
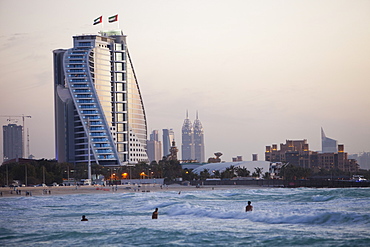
pixel 204 174
pixel 258 171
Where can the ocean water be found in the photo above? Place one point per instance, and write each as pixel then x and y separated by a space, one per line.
pixel 281 217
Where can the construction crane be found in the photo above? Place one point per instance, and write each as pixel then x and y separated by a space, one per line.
pixel 9 118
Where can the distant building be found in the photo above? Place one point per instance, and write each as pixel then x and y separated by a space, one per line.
pixel 328 145
pixel 296 152
pixel 154 136
pixel 12 141
pixel 168 138
pixel 199 146
pixel 293 151
pixel 237 158
pixel 363 159
pixel 154 147
pixel 192 146
pixel 98 102
pixel 187 145
pixel 255 157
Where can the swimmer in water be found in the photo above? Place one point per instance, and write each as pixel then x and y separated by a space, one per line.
pixel 155 214
pixel 84 218
pixel 249 207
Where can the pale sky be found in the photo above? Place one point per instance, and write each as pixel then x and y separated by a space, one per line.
pixel 258 72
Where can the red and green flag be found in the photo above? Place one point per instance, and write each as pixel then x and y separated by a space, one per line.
pixel 98 20
pixel 113 18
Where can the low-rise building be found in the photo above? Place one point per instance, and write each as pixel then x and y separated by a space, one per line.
pixel 296 152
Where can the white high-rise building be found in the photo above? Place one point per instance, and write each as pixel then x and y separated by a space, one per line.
pixel 328 145
pixel 97 95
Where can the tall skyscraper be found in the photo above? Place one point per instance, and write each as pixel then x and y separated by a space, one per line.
pixel 187 146
pixel 328 145
pixel 198 140
pixel 192 147
pixel 154 147
pixel 96 94
pixel 168 138
pixel 12 141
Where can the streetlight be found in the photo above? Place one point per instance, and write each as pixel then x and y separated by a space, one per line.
pixel 88 148
pixel 25 167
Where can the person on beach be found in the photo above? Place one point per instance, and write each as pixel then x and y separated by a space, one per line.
pixel 155 214
pixel 249 207
pixel 84 218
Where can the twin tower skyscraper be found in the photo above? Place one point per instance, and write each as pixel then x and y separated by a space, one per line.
pixel 192 147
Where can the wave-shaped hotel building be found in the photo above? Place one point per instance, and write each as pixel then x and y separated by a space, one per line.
pixel 96 94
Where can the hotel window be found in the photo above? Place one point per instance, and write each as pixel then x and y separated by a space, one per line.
pixel 119 77
pixel 84 43
pixel 119 97
pixel 120 147
pixel 118 47
pixel 118 56
pixel 121 107
pixel 118 66
pixel 120 87
pixel 120 127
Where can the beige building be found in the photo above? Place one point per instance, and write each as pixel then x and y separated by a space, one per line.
pixel 297 152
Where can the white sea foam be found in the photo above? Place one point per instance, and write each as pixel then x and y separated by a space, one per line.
pixel 192 218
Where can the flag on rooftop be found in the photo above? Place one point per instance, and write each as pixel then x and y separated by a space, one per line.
pixel 113 18
pixel 98 20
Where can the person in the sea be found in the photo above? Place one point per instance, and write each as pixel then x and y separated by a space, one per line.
pixel 84 218
pixel 155 214
pixel 249 207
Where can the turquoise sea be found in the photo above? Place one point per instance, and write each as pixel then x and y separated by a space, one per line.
pixel 281 217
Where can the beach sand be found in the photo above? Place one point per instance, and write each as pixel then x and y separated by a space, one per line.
pixel 64 190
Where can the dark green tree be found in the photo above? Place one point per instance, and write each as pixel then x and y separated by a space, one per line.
pixel 242 172
pixel 258 171
pixel 228 173
pixel 189 175
pixel 204 174
pixel 291 172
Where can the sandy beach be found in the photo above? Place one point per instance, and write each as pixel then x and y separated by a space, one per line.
pixel 64 190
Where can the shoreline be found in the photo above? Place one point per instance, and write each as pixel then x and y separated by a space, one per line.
pixel 90 189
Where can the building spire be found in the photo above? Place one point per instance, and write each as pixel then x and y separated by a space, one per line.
pixel 322 134
pixel 187 114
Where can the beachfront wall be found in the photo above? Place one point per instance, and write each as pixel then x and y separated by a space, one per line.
pixel 285 183
pixel 143 181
